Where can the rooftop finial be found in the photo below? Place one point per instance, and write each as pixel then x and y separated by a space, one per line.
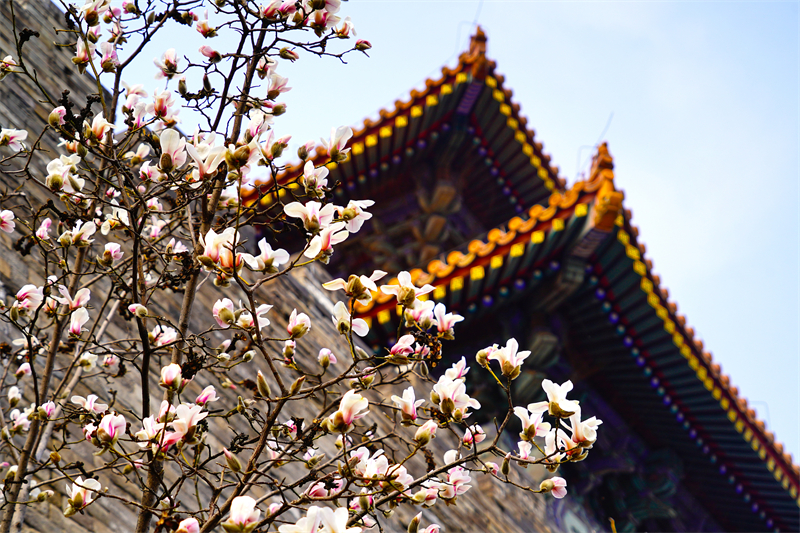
pixel 476 56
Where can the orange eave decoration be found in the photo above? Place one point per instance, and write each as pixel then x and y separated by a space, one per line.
pixel 472 66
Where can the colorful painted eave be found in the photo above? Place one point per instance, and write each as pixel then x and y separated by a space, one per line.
pixel 602 205
pixel 378 144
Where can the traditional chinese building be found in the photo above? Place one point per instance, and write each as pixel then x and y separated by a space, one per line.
pixel 468 201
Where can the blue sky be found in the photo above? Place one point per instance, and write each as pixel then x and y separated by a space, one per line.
pixel 704 97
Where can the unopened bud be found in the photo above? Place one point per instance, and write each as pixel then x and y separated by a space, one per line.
pixel 263 386
pixel 55 457
pixel 127 469
pixel 482 357
pixel 207 83
pixel 361 354
pixel 364 502
pixel 233 462
pixel 447 406
pixel 82 151
pixel 505 468
pixel 14 312
pixel 44 495
pixel 248 356
pixel 182 89
pixel 547 485
pixel 278 110
pixel 296 385
pixel 314 461
pixel 413 526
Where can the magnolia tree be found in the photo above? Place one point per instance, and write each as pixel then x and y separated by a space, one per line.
pixel 134 211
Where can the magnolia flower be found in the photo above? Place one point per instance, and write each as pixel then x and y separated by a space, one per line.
pixel 473 433
pixel 321 246
pixel 89 403
pixel 342 321
pixel 314 179
pixel 458 370
pixel 110 429
pixel 110 360
pixel 14 396
pixel 12 138
pixel 43 233
pixel 354 214
pixel 336 146
pixel 308 524
pixel 171 376
pixel 167 65
pixel 299 324
pixel 313 214
pixel 426 432
pixel 557 404
pixel 510 360
pixel 444 320
pixel 326 358
pixel 408 404
pixel 7 221
pixel 584 432
pixel 358 287
pixel 524 450
pixel 100 127
pixel 188 525
pixel 77 320
pixel 87 361
pixel 81 298
pixel 349 411
pixel 160 107
pixel 244 515
pixel 403 346
pixel 82 232
pixel 208 395
pixel 277 85
pixel 532 425
pixel 344 31
pixel 405 291
pixel 173 151
pixel 48 409
pixel 186 418
pixel 163 335
pixel 83 54
pixel 451 395
pixel 268 260
pixel 29 297
pixel 246 321
pixel 336 521
pixel 212 55
pixel 176 247
pixel 216 245
pixel 81 493
pixel 556 485
pixel 138 309
pixel 113 252
pixel 109 60
pixel 23 370
pixel 7 65
pixel 223 312
pixel 558 441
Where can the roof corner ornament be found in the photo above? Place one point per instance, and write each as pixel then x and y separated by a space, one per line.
pixel 476 56
pixel 608 202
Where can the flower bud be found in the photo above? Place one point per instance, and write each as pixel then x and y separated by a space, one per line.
pixel 547 485
pixel 435 399
pixel 55 457
pixel 138 309
pixel 413 526
pixel 14 312
pixel 128 469
pixel 278 109
pixel 263 386
pixel 482 357
pixel 44 495
pixel 365 502
pixel 182 89
pixel 248 356
pixel 82 151
pixel 447 406
pixel 207 84
pixel 361 354
pixel 296 385
pixel 505 468
pixel 54 182
pixel 233 462
pixel 426 432
pixel 314 460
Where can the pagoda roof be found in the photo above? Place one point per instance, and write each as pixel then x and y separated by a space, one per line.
pixel 468 105
pixel 644 356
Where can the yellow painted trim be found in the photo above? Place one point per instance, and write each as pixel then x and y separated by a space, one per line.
pixel 639 268
pixel 476 273
pixel 439 292
pixel 368 320
pixel 497 262
pixel 677 339
pixel 725 403
pixel 739 425
pixel 581 210
pixel 505 109
pixel 461 77
pixel 686 351
pixel 527 149
pixel 519 136
pixel 548 183
pixel 416 111
pixel 542 173
pixel 537 237
pixel 422 297
pixel 384 316
pixel 431 100
pixel 491 82
pixel 401 121
pixel 517 250
pixel 457 283
pixel 385 131
pixel 372 140
pixel 446 89
pixel 732 415
pixel 358 149
pixel 512 123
